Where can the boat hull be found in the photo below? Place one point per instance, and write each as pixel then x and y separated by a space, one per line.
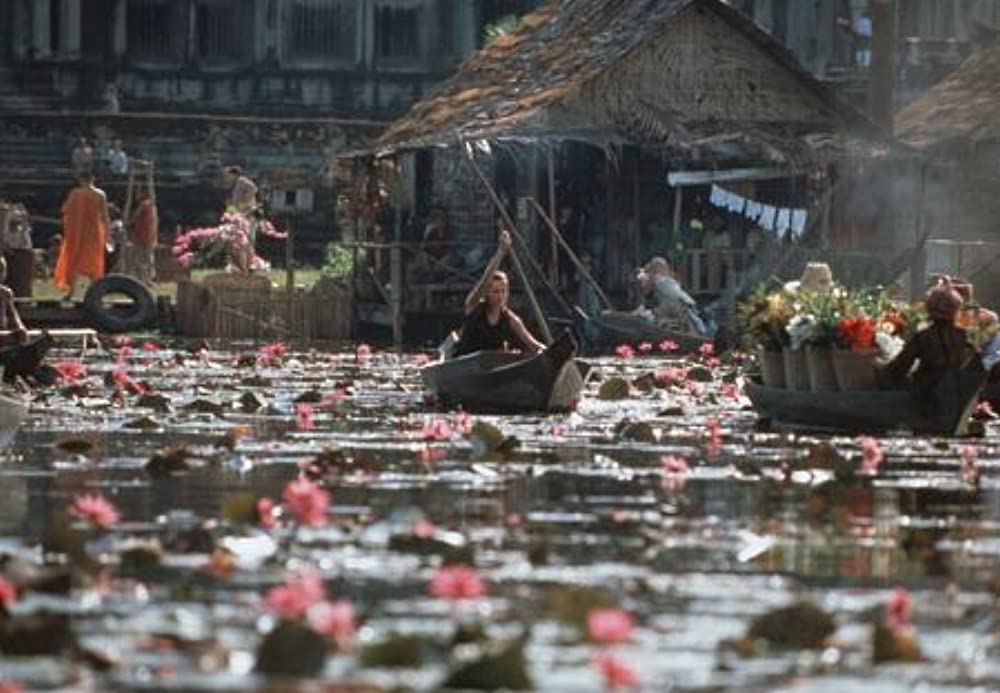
pixel 865 411
pixel 503 381
pixel 612 328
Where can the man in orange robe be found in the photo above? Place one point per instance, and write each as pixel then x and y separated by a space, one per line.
pixel 85 232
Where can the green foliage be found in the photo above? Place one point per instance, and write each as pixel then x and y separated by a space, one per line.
pixel 507 24
pixel 339 260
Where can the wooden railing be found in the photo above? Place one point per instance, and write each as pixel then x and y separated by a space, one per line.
pixel 713 270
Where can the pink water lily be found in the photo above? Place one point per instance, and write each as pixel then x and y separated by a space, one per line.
pixel 871 455
pixel 666 376
pixel 457 582
pixel 306 501
pixel 436 429
pixel 969 459
pixel 462 423
pixel 729 390
pixel 645 347
pixel 706 349
pixel 95 509
pixel 714 445
pixel 334 620
pixel 605 625
pixel 8 593
pixel 423 529
pixel 271 354
pixel 122 354
pixel 305 416
pixel 299 592
pixel 267 512
pixel 362 352
pixel 675 472
pixel 899 611
pixel 668 346
pixel 625 351
pixel 150 346
pixel 122 379
pixel 70 371
pixel 616 674
pixel 331 397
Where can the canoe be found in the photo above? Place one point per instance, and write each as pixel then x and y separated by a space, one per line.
pixel 611 328
pixel 501 381
pixel 866 411
pixel 13 412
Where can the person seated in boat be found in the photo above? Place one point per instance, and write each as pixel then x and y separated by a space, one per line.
pixel 940 349
pixel 666 302
pixel 18 354
pixel 816 276
pixel 489 322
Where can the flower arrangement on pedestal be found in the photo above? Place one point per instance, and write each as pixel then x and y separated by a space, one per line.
pixel 229 244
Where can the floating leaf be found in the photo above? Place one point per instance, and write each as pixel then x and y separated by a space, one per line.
pixel 205 406
pixel 170 460
pixel 614 389
pixel 799 626
pixel 700 374
pixel 396 650
pixel 74 446
pixel 499 666
pixel 156 402
pixel 143 423
pixel 291 649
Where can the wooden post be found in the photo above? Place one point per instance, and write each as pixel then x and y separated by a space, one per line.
pixel 396 275
pixel 553 213
pixel 569 251
pixel 635 209
pixel 289 258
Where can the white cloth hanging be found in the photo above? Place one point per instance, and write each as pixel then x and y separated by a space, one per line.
pixel 799 218
pixel 767 215
pixel 783 221
pixel 718 196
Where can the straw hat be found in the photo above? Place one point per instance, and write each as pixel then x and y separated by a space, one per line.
pixel 816 276
pixel 943 302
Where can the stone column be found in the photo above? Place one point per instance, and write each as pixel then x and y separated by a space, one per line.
pixel 118 34
pixel 41 40
pixel 69 43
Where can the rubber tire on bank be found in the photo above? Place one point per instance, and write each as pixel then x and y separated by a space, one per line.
pixel 141 314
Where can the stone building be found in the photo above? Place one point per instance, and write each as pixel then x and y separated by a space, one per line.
pixel 278 86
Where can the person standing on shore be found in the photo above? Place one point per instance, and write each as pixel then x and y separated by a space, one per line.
pixel 85 232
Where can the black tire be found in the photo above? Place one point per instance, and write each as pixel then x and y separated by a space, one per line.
pixel 140 314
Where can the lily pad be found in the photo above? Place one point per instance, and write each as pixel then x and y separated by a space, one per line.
pixel 614 389
pixel 156 402
pixel 143 423
pixel 798 626
pixel 205 406
pixel 291 649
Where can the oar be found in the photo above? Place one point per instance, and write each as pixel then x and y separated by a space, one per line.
pixel 539 315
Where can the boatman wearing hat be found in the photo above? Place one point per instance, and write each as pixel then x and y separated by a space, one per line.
pixel 939 349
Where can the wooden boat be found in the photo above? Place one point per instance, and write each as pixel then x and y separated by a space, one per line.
pixel 13 412
pixel 501 381
pixel 611 328
pixel 867 411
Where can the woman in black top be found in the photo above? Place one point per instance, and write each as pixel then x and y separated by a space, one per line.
pixel 489 323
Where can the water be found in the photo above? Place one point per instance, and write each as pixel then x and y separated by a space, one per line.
pixel 579 511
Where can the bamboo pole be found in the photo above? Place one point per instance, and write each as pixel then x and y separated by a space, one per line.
pixel 539 315
pixel 396 275
pixel 553 245
pixel 512 227
pixel 572 255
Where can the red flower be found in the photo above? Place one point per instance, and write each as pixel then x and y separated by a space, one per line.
pixel 856 334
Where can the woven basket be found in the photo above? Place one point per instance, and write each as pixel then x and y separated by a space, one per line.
pixel 796 370
pixel 855 369
pixel 772 368
pixel 822 377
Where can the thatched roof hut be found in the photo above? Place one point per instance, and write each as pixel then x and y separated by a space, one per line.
pixel 694 77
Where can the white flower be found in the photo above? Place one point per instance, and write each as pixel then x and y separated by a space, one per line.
pixel 888 345
pixel 800 329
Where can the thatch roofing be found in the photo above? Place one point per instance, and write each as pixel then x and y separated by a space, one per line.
pixel 514 86
pixel 961 110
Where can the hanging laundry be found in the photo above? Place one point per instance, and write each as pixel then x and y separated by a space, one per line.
pixel 783 221
pixel 736 203
pixel 767 215
pixel 753 210
pixel 799 218
pixel 718 196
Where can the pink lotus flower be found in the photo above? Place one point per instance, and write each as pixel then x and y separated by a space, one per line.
pixel 122 354
pixel 668 346
pixel 362 352
pixel 267 511
pixel 706 349
pixel 304 416
pixel 334 620
pixel 95 509
pixel 462 423
pixel 714 445
pixel 898 611
pixel 969 457
pixel 625 351
pixel 645 348
pixel 122 379
pixel 694 389
pixel 514 520
pixel 429 455
pixel 423 529
pixel 609 625
pixel 70 371
pixel 675 472
pixel 871 455
pixel 271 354
pixel 299 592
pixel 120 341
pixel 457 582
pixel 306 501
pixel 436 429
pixel 8 593
pixel 150 346
pixel 984 411
pixel 616 673
pixel 729 390
pixel 668 376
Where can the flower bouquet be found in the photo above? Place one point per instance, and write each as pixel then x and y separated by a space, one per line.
pixel 854 362
pixel 229 244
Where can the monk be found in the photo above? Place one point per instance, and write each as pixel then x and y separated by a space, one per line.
pixel 85 232
pixel 143 232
